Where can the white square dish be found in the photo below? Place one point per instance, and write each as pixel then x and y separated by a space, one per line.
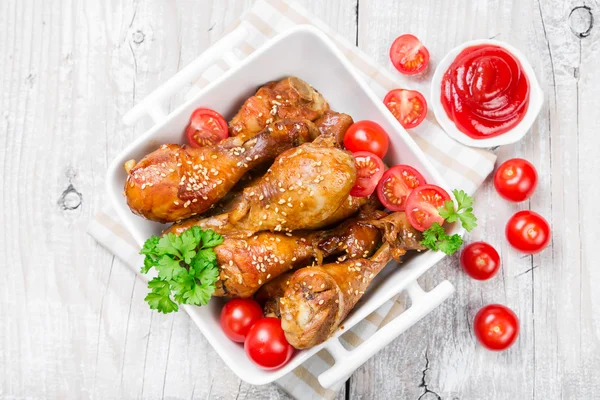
pixel 309 54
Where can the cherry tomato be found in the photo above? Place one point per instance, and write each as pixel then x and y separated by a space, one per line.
pixel 516 179
pixel 528 232
pixel 369 169
pixel 480 260
pixel 237 316
pixel 496 327
pixel 408 55
pixel 422 206
pixel 266 344
pixel 206 127
pixel 396 184
pixel 408 106
pixel 366 136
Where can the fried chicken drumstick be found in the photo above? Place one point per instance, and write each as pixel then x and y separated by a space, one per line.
pixel 313 301
pixel 246 263
pixel 317 299
pixel 176 182
pixel 306 188
pixel 288 98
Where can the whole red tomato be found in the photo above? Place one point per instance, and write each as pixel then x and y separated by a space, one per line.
pixel 496 327
pixel 366 136
pixel 480 260
pixel 266 344
pixel 528 232
pixel 516 179
pixel 237 316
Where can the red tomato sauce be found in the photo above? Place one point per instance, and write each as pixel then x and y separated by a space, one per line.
pixel 485 91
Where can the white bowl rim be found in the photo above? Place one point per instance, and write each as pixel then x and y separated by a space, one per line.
pixel 536 98
pixel 301 356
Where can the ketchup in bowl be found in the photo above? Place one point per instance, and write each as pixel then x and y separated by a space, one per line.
pixel 485 91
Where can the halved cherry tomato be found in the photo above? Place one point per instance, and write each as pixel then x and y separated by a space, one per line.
pixel 496 327
pixel 369 169
pixel 515 179
pixel 480 260
pixel 422 206
pixel 206 127
pixel 237 316
pixel 266 344
pixel 528 232
pixel 408 55
pixel 396 184
pixel 408 106
pixel 366 136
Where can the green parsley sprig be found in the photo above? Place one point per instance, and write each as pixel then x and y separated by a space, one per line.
pixel 435 237
pixel 186 265
pixel 463 211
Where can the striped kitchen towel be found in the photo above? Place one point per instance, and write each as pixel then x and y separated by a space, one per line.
pixel 462 167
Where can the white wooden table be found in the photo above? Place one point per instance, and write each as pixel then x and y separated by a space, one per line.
pixel 73 323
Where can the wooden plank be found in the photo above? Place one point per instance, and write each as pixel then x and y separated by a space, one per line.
pixel 74 323
pixel 551 292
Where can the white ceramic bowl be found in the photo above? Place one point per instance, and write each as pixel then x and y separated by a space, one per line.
pixel 309 54
pixel 536 98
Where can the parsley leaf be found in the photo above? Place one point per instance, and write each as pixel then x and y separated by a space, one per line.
pixel 187 268
pixel 435 238
pixel 450 244
pixel 167 245
pixel 159 298
pixel 463 211
pixel 199 294
pixel 431 235
pixel 150 245
pixel 210 238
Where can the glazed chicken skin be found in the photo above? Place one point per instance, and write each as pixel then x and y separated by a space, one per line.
pixel 334 124
pixel 313 301
pixel 176 182
pixel 350 240
pixel 246 263
pixel 348 208
pixel 217 218
pixel 306 188
pixel 288 98
pixel 317 299
pixel 229 201
pixel 399 233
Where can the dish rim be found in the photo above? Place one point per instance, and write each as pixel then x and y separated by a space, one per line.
pixel 125 215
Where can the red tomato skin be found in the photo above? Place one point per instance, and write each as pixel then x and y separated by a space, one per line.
pixel 396 95
pixel 238 316
pixel 266 344
pixel 516 179
pixel 366 136
pixel 480 260
pixel 390 174
pixel 398 65
pixel 366 186
pixel 413 201
pixel 196 122
pixel 496 327
pixel 528 232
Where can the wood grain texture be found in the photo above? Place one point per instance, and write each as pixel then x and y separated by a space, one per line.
pixel 73 323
